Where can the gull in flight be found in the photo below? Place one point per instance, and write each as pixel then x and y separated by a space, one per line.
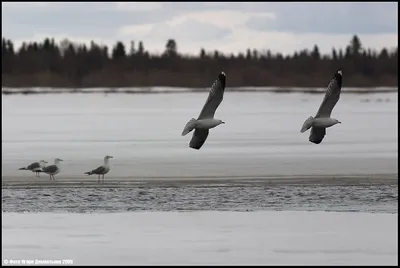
pixel 35 167
pixel 323 120
pixel 53 169
pixel 102 170
pixel 206 119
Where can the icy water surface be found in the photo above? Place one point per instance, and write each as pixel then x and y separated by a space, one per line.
pixel 260 140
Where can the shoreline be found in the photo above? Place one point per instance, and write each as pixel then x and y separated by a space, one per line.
pixel 122 182
pixel 163 90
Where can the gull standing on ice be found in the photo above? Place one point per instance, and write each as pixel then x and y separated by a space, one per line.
pixel 53 169
pixel 323 119
pixel 35 167
pixel 206 119
pixel 102 170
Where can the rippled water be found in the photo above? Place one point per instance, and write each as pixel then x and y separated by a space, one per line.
pixel 186 197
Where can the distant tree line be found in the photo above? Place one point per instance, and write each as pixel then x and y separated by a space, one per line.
pixel 67 64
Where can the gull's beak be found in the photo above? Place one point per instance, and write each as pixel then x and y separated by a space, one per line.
pixel 222 122
pixel 60 159
pixel 46 162
pixel 339 122
pixel 110 157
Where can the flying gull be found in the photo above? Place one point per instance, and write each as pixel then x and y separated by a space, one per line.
pixel 206 119
pixel 53 169
pixel 323 119
pixel 102 170
pixel 35 167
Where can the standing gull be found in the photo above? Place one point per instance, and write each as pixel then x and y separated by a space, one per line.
pixel 102 170
pixel 206 119
pixel 323 119
pixel 53 169
pixel 35 167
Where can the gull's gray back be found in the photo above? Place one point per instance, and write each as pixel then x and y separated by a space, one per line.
pixel 33 165
pixel 214 99
pixel 100 170
pixel 332 96
pixel 50 169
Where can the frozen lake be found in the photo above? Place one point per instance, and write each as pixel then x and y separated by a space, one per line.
pixel 261 137
pixel 258 192
pixel 258 160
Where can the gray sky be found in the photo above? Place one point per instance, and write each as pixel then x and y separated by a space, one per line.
pixel 227 27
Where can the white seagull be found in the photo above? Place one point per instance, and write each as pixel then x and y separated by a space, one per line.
pixel 35 167
pixel 206 119
pixel 53 169
pixel 102 170
pixel 323 119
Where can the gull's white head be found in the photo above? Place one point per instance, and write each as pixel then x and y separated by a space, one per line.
pixel 57 160
pixel 340 72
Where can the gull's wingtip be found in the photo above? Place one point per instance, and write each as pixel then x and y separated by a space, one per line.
pixel 222 78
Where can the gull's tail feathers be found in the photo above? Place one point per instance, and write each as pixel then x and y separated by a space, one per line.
pixel 23 168
pixel 307 124
pixel 88 173
pixel 189 126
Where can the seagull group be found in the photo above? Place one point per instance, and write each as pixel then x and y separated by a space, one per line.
pixel 206 121
pixel 318 124
pixel 55 168
pixel 35 167
pixel 41 167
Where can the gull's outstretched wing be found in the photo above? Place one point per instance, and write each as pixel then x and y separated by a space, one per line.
pixel 214 98
pixel 317 134
pixel 198 138
pixel 332 96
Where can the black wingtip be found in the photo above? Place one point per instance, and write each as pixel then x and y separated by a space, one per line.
pixel 195 147
pixel 316 141
pixel 222 78
pixel 339 77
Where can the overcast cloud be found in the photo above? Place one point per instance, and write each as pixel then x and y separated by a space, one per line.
pixel 227 27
